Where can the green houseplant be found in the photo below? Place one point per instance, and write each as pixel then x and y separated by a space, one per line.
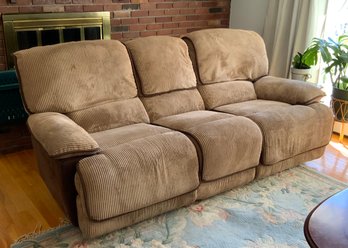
pixel 335 56
pixel 302 63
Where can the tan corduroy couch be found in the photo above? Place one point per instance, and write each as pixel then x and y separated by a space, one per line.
pixel 124 132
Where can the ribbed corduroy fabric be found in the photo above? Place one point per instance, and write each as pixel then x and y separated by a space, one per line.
pixel 138 174
pixel 92 229
pixel 229 144
pixel 75 75
pixel 267 170
pixel 173 103
pixel 250 107
pixel 163 64
pixel 208 189
pixel 111 115
pixel 229 54
pixel 117 136
pixel 60 136
pixel 287 90
pixel 218 94
pixel 288 130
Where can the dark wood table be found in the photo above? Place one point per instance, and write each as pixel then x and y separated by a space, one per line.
pixel 326 226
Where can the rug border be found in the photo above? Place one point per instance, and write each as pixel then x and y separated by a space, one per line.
pixel 40 236
pixel 314 171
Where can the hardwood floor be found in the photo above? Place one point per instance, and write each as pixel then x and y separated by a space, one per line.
pixel 27 206
pixel 334 162
pixel 25 203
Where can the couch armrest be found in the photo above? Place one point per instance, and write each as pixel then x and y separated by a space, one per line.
pixel 60 136
pixel 287 90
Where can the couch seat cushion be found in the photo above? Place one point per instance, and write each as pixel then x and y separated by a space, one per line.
pixel 136 174
pixel 288 130
pixel 227 144
pixel 117 136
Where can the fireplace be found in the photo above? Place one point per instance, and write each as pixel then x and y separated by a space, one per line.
pixel 24 31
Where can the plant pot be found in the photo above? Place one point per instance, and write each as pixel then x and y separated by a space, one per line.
pixel 300 74
pixel 339 104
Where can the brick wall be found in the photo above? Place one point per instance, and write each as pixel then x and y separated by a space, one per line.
pixel 132 18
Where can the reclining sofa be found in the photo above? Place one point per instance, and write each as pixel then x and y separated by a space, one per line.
pixel 124 132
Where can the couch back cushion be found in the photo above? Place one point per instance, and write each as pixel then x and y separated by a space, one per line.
pixel 229 54
pixel 226 61
pixel 162 63
pixel 76 78
pixel 167 81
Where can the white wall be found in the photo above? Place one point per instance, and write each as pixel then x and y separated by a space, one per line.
pixel 248 14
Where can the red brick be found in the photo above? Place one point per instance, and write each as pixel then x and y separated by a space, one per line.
pixel 103 1
pixel 163 19
pixel 147 33
pixel 112 7
pixel 8 9
pixel 186 24
pixel 63 1
pixel 170 25
pixel 164 32
pixel 122 13
pixel 164 5
pixel 202 11
pixel 130 35
pixel 18 2
pixel 201 23
pixel 209 4
pixel 115 22
pixel 147 6
pixel 82 1
pixel 178 18
pixel 53 8
pixel 180 5
pixel 137 27
pixel 139 1
pixel 42 2
pixel 195 17
pixel 214 22
pixel 147 20
pixel 73 8
pixel 171 12
pixel 116 36
pixel 153 26
pixel 187 11
pixel 195 4
pixel 93 7
pixel 30 9
pixel 180 31
pixel 225 22
pixel 158 12
pixel 223 4
pixel 129 21
pixel 139 13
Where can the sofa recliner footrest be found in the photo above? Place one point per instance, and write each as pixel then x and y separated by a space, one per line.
pixel 137 174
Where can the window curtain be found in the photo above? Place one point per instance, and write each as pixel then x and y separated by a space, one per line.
pixel 289 28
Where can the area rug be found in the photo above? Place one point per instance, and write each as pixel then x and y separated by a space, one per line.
pixel 266 213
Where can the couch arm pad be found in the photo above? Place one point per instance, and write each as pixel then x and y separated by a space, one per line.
pixel 60 136
pixel 287 90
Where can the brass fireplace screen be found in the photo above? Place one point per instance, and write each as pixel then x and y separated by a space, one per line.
pixel 24 31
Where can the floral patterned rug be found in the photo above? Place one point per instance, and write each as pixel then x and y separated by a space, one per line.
pixel 266 213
